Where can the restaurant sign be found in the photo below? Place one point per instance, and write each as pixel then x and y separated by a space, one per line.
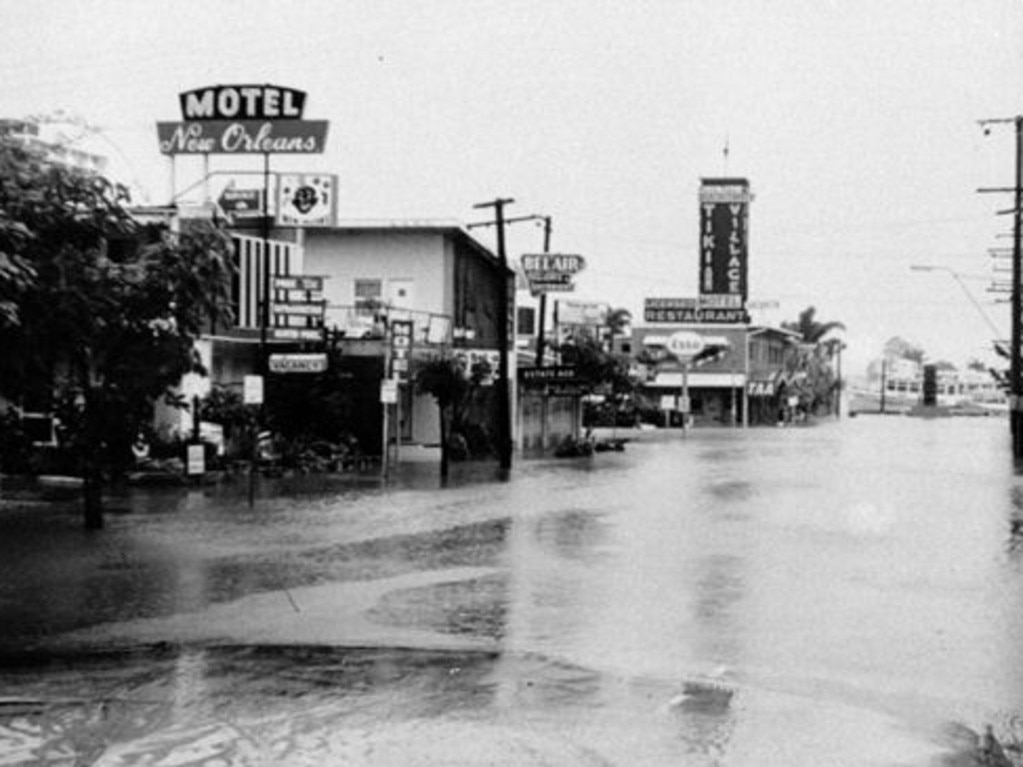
pixel 242 119
pixel 707 309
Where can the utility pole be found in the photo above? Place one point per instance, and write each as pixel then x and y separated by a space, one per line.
pixel 884 380
pixel 1015 381
pixel 543 296
pixel 504 441
pixel 265 288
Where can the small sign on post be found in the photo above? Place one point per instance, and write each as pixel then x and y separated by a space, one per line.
pixel 252 390
pixel 389 391
pixel 241 202
pixel 196 459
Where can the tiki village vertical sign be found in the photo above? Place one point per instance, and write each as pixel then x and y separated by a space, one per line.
pixel 724 237
pixel 242 119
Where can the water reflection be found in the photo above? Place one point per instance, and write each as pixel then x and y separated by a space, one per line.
pixel 684 601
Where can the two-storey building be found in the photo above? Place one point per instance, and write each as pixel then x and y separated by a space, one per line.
pixel 432 275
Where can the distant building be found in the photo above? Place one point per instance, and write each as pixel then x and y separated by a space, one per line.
pixel 741 379
pixel 55 139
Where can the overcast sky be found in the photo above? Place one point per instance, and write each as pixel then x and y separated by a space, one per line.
pixel 855 122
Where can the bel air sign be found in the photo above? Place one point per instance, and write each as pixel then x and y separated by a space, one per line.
pixel 551 271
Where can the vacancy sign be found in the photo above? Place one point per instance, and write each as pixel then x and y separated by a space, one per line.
pixel 298 363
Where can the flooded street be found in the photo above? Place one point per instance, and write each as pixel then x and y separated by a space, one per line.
pixel 846 594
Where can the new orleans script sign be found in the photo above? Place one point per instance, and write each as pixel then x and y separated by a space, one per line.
pixel 242 119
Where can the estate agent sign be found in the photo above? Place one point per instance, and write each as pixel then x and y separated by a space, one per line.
pixel 242 119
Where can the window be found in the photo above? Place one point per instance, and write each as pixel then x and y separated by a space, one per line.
pixel 527 321
pixel 367 295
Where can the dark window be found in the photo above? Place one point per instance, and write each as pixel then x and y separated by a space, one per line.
pixel 527 321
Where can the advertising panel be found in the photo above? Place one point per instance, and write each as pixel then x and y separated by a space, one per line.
pixel 307 199
pixel 724 232
pixel 298 307
pixel 582 313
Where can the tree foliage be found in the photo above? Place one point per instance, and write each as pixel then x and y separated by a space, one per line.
pixel 810 328
pixel 897 348
pixel 599 371
pixel 98 314
pixel 617 321
pixel 457 390
pixel 810 363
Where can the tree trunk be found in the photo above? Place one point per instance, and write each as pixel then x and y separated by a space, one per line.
pixel 444 432
pixel 92 495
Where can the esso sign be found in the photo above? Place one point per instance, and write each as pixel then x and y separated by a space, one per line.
pixel 685 344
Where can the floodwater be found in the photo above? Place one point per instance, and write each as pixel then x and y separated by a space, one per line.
pixel 844 594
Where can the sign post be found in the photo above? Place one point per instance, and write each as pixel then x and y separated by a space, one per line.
pixel 685 345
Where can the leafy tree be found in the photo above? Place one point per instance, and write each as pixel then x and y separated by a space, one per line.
pixel 599 371
pixel 239 421
pixel 810 364
pixel 897 348
pixel 811 376
pixel 453 386
pixel 100 313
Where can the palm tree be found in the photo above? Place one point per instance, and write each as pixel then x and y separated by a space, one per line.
pixel 812 331
pixel 616 321
pixel 811 363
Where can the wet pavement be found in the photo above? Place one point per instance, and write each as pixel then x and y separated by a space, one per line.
pixel 850 593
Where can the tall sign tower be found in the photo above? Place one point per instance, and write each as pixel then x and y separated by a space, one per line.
pixel 724 238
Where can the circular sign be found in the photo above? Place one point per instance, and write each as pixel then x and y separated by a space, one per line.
pixel 685 343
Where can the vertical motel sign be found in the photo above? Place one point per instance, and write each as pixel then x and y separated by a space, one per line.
pixel 401 348
pixel 724 236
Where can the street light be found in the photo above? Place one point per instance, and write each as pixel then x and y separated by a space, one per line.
pixel 959 278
